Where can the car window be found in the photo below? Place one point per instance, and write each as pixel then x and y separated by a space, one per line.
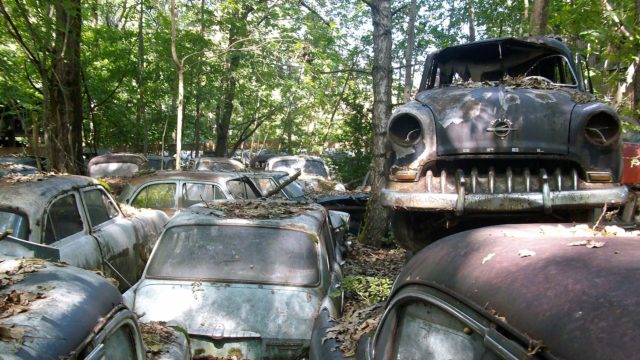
pixel 421 330
pixel 193 193
pixel 99 207
pixel 62 219
pixel 315 167
pixel 239 189
pixel 15 222
pixel 120 344
pixel 236 254
pixel 156 196
pixel 555 68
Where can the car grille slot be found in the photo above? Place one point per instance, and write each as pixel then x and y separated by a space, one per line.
pixel 507 181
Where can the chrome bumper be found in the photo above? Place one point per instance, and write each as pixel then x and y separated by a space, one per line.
pixel 545 201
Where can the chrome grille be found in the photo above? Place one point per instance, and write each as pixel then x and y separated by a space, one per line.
pixel 473 181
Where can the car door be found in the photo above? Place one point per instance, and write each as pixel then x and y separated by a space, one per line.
pixel 115 234
pixel 334 268
pixel 67 229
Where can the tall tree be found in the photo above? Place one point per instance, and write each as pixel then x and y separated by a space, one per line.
pixel 377 217
pixel 408 54
pixel 180 69
pixel 539 17
pixel 141 115
pixel 472 20
pixel 53 49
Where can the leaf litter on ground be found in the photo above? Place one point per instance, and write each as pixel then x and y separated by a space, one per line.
pixel 359 317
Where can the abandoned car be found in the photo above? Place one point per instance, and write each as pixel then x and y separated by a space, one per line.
pixel 500 127
pixel 244 279
pixel 57 311
pixel 73 219
pixel 314 173
pixel 121 164
pixel 171 190
pixel 558 292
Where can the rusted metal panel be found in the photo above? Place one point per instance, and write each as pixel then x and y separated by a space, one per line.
pixel 579 302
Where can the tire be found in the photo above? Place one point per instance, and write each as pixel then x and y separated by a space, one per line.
pixel 413 231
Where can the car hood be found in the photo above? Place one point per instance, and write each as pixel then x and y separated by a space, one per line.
pixel 500 119
pixel 231 311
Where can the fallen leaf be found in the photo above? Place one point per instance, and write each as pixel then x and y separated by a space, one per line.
pixel 595 244
pixel 488 257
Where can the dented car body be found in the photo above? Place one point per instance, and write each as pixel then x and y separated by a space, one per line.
pixel 73 219
pixel 500 126
pixel 242 286
pixel 552 294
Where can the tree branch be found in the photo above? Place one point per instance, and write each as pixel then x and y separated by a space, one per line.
pixel 306 6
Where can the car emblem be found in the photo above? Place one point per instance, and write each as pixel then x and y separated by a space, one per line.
pixel 501 127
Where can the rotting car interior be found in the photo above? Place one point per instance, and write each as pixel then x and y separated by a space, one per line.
pixel 500 127
pixel 244 279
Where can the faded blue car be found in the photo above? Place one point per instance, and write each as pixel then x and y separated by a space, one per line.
pixel 240 285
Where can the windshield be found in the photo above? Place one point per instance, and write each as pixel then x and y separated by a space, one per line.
pixel 308 167
pixel 230 253
pixel 15 222
pixel 294 190
pixel 494 61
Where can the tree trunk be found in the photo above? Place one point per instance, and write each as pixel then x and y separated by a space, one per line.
pixel 376 222
pixel 196 124
pixel 64 115
pixel 180 69
pixel 236 32
pixel 539 17
pixel 141 116
pixel 472 20
pixel 408 54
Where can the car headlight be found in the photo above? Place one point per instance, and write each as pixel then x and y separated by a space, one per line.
pixel 405 130
pixel 602 129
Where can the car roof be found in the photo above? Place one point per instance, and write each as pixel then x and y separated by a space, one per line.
pixel 540 41
pixel 117 158
pixel 30 194
pixel 73 301
pixel 307 217
pixel 580 302
pixel 294 157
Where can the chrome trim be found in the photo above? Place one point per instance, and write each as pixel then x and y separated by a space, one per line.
pixel 517 202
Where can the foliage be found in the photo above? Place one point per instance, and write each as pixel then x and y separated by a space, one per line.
pixel 370 289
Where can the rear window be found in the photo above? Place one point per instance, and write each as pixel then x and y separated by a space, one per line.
pixel 309 167
pixel 215 166
pixel 15 222
pixel 231 253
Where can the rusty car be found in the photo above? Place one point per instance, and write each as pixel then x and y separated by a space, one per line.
pixel 171 190
pixel 52 310
pixel 502 128
pixel 243 278
pixel 512 291
pixel 73 219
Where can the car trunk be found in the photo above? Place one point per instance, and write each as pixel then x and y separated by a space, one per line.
pixel 500 120
pixel 226 320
